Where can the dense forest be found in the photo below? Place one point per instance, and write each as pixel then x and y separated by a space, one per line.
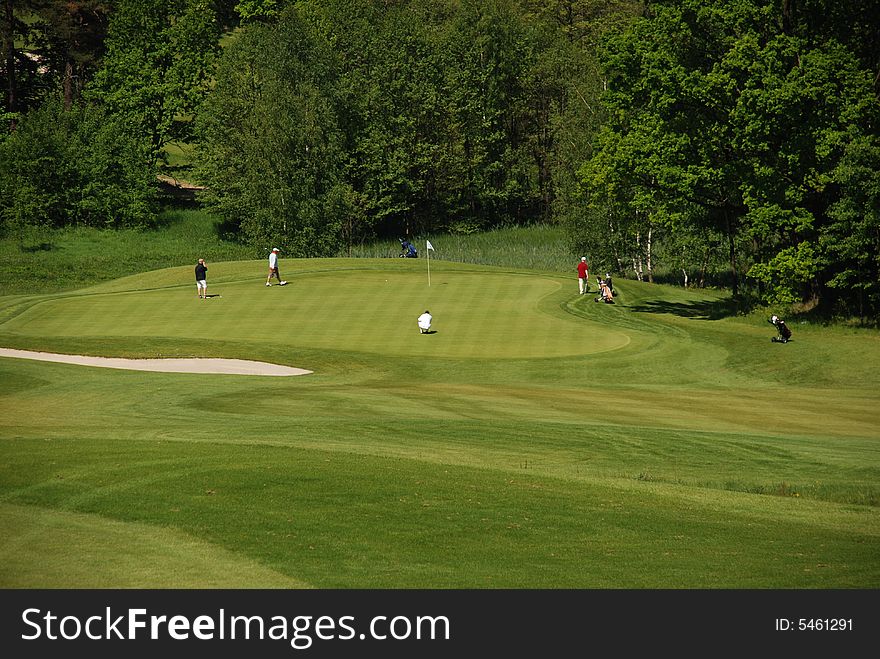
pixel 679 136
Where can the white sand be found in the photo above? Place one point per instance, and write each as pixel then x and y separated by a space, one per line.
pixel 222 366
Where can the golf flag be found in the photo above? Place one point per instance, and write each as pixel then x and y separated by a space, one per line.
pixel 428 249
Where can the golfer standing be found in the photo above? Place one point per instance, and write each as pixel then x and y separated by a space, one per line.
pixel 583 276
pixel 202 279
pixel 273 268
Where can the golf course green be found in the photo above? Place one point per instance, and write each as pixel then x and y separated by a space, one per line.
pixel 534 439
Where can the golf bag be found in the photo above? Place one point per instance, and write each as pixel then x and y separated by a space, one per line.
pixel 782 328
pixel 407 250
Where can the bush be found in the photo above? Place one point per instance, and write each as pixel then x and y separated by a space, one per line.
pixel 64 168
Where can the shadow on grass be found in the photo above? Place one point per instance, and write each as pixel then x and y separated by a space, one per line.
pixel 42 247
pixel 705 310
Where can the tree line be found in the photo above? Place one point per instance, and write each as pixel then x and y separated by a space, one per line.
pixel 746 127
pixel 676 137
pixel 332 122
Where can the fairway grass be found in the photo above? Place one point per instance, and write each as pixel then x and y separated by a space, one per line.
pixel 45 548
pixel 535 439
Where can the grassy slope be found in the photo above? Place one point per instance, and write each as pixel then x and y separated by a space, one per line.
pixel 537 439
pixel 47 261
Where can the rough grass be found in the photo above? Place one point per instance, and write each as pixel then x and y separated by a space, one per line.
pixel 43 260
pixel 537 439
pixel 537 247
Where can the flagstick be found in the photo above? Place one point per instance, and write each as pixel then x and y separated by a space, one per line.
pixel 428 254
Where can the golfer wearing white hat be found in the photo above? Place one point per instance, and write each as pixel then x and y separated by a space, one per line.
pixel 583 276
pixel 273 268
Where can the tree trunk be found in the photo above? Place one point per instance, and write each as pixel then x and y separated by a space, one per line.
pixel 637 258
pixel 786 17
pixel 615 252
pixel 67 83
pixel 648 256
pixel 701 280
pixel 732 245
pixel 9 52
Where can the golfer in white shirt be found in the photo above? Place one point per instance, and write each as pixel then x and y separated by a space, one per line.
pixel 273 268
pixel 425 322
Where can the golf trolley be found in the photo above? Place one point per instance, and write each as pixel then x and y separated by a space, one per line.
pixel 781 328
pixel 605 294
pixel 407 250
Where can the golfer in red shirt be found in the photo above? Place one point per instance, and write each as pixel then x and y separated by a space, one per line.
pixel 583 275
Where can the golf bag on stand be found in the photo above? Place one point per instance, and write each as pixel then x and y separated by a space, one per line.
pixel 782 328
pixel 407 250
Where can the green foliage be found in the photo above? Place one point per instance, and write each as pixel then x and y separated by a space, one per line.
pixel 69 38
pixel 576 115
pixel 786 272
pixel 157 67
pixel 74 167
pixel 440 115
pixel 850 243
pixel 270 146
pixel 251 10
pixel 487 53
pixel 734 119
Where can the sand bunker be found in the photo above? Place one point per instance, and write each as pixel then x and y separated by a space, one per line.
pixel 196 365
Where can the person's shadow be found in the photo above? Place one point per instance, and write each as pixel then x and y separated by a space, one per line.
pixel 429 332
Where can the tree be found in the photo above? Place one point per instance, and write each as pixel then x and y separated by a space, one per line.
pixel 850 245
pixel 157 67
pixel 19 73
pixel 70 36
pixel 582 22
pixel 9 56
pixel 61 44
pixel 445 115
pixel 394 113
pixel 260 10
pixel 74 166
pixel 487 53
pixel 727 108
pixel 270 148
pixel 796 118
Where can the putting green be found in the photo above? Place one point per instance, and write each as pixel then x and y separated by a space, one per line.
pixel 483 314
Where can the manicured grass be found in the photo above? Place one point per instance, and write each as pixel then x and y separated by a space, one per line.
pixel 537 439
pixel 48 548
pixel 477 315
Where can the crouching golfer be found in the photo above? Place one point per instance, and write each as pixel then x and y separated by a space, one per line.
pixel 273 268
pixel 425 322
pixel 202 279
